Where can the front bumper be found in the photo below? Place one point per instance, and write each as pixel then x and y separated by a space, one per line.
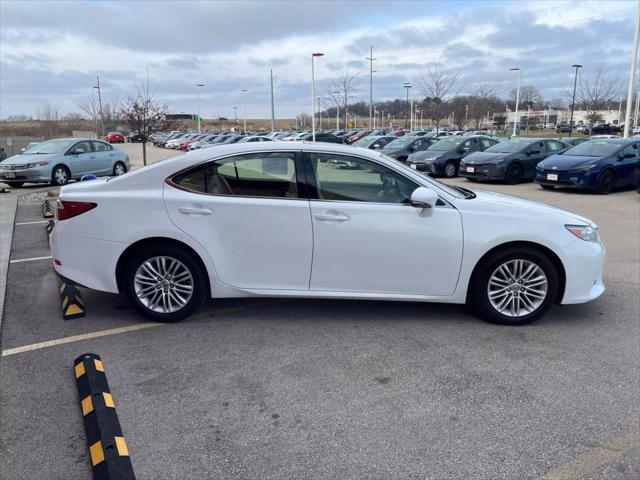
pixel 487 171
pixel 584 265
pixel 431 168
pixel 34 175
pixel 570 178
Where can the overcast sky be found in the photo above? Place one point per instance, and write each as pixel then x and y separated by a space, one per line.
pixel 51 51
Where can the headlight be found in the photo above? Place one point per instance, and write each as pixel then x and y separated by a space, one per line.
pixel 588 233
pixel 37 164
pixel 585 167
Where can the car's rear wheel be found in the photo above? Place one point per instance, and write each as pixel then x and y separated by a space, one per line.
pixel 514 286
pixel 450 169
pixel 513 175
pixel 60 176
pixel 119 169
pixel 606 182
pixel 165 283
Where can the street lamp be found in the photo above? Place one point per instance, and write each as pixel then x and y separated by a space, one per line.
pixel 573 100
pixel 198 103
pixel 337 110
pixel 97 86
pixel 319 114
pixel 515 118
pixel 371 70
pixel 407 85
pixel 244 110
pixel 235 116
pixel 313 94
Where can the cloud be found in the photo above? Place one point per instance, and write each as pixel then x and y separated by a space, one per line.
pixel 52 51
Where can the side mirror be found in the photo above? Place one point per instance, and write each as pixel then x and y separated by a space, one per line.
pixel 423 197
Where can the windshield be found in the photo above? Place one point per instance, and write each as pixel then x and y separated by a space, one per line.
pixel 400 143
pixel 509 146
pixel 594 148
pixel 445 144
pixel 50 146
pixel 365 142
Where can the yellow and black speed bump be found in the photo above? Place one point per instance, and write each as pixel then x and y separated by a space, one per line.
pixel 71 300
pixel 50 225
pixel 108 451
pixel 47 209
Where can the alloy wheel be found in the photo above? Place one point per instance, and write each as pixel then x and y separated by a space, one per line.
pixel 517 288
pixel 163 284
pixel 450 170
pixel 60 176
pixel 119 169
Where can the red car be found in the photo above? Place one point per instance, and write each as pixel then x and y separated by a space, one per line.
pixel 185 144
pixel 114 137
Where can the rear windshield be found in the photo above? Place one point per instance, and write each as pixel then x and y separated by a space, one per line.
pixel 594 148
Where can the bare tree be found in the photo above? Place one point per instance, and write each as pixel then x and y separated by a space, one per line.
pixel 108 119
pixel 49 121
pixel 143 115
pixel 483 99
pixel 436 86
pixel 597 91
pixel 89 106
pixel 529 96
pixel 343 88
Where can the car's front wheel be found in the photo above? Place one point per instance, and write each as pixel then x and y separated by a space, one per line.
pixel 513 174
pixel 60 176
pixel 450 169
pixel 606 182
pixel 119 169
pixel 514 286
pixel 165 283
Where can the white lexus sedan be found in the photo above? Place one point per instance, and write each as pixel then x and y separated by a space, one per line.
pixel 297 219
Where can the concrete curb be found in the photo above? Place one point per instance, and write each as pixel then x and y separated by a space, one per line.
pixel 8 207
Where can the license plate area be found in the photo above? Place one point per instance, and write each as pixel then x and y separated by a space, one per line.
pixel 552 177
pixel 471 169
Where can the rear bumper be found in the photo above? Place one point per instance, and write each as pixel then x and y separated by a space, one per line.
pixel 86 261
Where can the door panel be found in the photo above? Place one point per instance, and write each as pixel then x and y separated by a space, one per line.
pixel 254 241
pixel 104 159
pixel 381 245
pixel 81 164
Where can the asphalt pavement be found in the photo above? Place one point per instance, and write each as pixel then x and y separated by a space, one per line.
pixel 325 389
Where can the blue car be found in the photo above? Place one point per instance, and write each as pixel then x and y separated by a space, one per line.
pixel 598 165
pixel 58 161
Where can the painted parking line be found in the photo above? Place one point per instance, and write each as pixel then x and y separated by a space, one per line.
pixel 77 338
pixel 114 331
pixel 590 462
pixel 32 259
pixel 32 223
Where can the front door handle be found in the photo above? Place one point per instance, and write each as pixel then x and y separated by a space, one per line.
pixel 195 211
pixel 332 216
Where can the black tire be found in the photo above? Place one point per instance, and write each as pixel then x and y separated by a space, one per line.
pixel 57 180
pixel 450 169
pixel 115 168
pixel 200 284
pixel 513 175
pixel 606 181
pixel 479 297
pixel 15 184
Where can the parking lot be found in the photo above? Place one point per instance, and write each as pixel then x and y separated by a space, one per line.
pixel 274 388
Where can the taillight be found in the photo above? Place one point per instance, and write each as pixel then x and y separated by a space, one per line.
pixel 67 210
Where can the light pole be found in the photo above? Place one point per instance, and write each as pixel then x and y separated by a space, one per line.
pixel 407 86
pixel 313 94
pixel 97 87
pixel 632 73
pixel 235 117
pixel 244 110
pixel 273 112
pixel 335 98
pixel 319 114
pixel 371 59
pixel 515 118
pixel 198 85
pixel 573 99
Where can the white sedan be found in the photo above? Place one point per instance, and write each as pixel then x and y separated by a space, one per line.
pixel 285 219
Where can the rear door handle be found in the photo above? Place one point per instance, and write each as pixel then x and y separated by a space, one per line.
pixel 332 216
pixel 195 211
